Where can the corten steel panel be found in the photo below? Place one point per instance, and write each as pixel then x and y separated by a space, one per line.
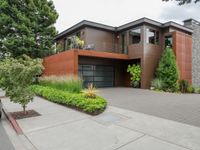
pixel 92 53
pixel 183 52
pixel 102 40
pixel 65 63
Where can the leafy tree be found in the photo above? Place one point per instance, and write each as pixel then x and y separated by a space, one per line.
pixel 26 27
pixel 135 71
pixel 167 71
pixel 183 2
pixel 16 76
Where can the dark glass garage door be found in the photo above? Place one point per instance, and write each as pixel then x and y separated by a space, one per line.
pixel 100 76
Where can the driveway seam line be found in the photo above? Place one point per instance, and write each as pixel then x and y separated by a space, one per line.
pixel 30 142
pixel 156 137
pixel 130 142
pixel 55 125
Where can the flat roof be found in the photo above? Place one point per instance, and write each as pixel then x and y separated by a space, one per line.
pixel 86 23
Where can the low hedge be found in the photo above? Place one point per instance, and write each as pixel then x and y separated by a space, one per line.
pixel 74 100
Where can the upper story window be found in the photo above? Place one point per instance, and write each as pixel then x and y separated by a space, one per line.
pixel 135 36
pixel 168 41
pixel 152 36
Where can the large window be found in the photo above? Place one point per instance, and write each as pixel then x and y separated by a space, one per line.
pixel 168 41
pixel 135 36
pixel 152 36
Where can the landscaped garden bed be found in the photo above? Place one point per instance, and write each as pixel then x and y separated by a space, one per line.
pixel 78 101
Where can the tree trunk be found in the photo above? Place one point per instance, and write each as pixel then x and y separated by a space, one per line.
pixel 24 109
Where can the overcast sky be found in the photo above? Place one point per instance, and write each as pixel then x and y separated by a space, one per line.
pixel 119 12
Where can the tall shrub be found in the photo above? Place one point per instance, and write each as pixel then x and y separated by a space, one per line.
pixel 16 76
pixel 167 71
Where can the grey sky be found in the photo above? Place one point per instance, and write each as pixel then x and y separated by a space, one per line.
pixel 118 12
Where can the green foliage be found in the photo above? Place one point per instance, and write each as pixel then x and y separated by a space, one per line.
pixel 26 27
pixel 183 86
pixel 16 75
pixel 157 84
pixel 90 92
pixel 65 83
pixel 182 2
pixel 135 71
pixel 198 90
pixel 74 100
pixel 76 42
pixel 167 71
pixel 191 89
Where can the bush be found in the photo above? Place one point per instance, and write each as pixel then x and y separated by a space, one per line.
pixel 191 89
pixel 157 84
pixel 90 92
pixel 74 100
pixel 198 90
pixel 183 86
pixel 16 77
pixel 65 83
pixel 135 71
pixel 167 71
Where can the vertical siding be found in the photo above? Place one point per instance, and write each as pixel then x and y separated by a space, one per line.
pixel 65 63
pixel 183 52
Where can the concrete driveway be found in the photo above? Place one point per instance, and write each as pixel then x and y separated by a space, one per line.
pixel 184 108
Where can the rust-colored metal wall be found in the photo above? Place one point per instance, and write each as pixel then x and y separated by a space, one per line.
pixel 183 51
pixel 61 64
pixel 66 63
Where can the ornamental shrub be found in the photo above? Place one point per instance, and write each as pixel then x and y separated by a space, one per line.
pixel 183 86
pixel 135 71
pixel 75 100
pixel 157 84
pixel 16 76
pixel 191 89
pixel 167 71
pixel 65 83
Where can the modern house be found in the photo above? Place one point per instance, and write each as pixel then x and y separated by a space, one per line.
pixel 109 50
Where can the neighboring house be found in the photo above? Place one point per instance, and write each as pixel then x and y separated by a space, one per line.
pixel 195 25
pixel 112 49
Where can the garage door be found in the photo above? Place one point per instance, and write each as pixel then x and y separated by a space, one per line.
pixel 99 75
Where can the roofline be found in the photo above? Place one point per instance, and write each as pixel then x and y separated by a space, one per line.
pixel 139 21
pixel 122 27
pixel 176 25
pixel 190 19
pixel 85 23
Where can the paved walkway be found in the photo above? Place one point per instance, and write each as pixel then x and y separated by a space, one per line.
pixel 5 143
pixel 184 108
pixel 61 128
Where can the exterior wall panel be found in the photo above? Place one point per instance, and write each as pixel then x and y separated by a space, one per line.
pixel 183 52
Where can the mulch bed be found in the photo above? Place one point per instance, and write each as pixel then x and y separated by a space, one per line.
pixel 21 115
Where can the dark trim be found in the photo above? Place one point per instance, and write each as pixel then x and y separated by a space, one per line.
pixel 121 28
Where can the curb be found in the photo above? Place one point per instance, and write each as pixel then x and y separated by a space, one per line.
pixel 13 122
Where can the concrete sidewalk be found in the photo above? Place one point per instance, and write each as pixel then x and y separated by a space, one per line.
pixel 62 128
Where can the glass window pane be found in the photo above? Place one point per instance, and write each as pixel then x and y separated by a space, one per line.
pixel 168 41
pixel 135 36
pixel 87 73
pixel 152 36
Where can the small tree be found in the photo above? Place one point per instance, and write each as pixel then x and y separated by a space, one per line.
pixel 135 71
pixel 167 71
pixel 16 76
